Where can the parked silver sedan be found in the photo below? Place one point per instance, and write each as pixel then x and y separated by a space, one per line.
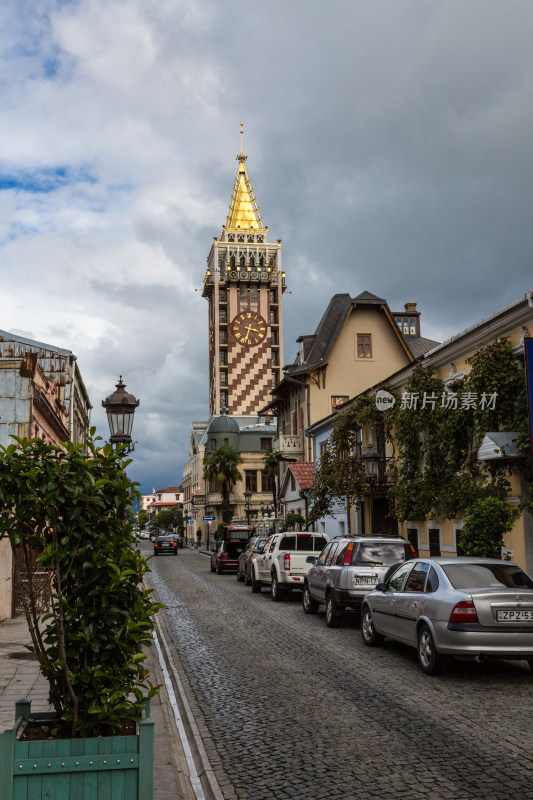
pixel 468 607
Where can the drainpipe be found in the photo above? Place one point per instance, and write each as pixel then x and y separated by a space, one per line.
pixel 73 360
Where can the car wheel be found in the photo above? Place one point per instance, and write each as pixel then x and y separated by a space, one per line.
pixel 256 585
pixel 212 567
pixel 247 578
pixel 219 570
pixel 429 660
pixel 368 633
pixel 310 606
pixel 530 662
pixel 155 553
pixel 276 591
pixel 240 576
pixel 333 612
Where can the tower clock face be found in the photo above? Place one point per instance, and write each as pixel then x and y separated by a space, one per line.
pixel 249 328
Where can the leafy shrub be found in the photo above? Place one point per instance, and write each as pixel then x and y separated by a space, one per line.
pixel 63 511
pixel 486 523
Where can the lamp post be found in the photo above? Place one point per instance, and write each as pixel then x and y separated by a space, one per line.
pixel 371 459
pixel 120 407
pixel 248 503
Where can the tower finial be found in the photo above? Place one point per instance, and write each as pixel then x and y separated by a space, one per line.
pixel 241 157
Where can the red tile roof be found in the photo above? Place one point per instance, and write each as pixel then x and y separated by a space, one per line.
pixel 303 472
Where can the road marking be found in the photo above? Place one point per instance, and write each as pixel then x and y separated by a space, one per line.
pixel 193 774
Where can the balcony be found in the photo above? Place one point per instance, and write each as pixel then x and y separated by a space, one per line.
pixel 288 446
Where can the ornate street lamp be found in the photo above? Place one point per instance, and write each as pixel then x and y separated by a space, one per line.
pixel 120 408
pixel 248 502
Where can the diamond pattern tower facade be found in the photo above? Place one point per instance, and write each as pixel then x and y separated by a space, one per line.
pixel 244 286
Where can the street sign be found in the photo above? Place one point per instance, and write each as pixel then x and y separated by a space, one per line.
pixel 209 519
pixel 190 522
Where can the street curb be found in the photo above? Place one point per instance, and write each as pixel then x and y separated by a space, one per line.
pixel 203 766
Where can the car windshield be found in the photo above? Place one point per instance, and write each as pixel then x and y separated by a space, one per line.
pixel 487 576
pixel 381 554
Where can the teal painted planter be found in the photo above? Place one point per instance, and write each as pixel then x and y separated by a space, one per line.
pixel 103 768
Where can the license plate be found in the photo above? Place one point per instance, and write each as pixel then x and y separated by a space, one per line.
pixel 364 579
pixel 514 615
pixel 167 545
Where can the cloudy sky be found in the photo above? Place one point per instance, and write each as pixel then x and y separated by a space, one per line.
pixel 389 145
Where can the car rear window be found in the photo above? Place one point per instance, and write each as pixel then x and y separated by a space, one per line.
pixel 234 549
pixel 381 554
pixel 487 576
pixel 303 542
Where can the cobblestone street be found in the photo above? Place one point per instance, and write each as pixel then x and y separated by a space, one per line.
pixel 288 708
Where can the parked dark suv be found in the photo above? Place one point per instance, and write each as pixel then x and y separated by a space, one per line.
pixel 348 568
pixel 226 556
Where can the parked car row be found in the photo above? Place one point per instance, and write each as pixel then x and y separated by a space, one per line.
pixel 471 608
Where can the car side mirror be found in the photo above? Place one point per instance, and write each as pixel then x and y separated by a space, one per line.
pixel 382 587
pixel 311 559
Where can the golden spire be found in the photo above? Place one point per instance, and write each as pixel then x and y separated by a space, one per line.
pixel 243 209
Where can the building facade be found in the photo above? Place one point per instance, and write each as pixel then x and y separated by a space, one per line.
pixel 449 362
pixel 42 395
pixel 357 342
pixel 244 285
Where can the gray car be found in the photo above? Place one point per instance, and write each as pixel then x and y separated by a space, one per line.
pixel 253 546
pixel 474 608
pixel 347 568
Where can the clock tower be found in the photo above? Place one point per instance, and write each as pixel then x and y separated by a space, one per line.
pixel 244 286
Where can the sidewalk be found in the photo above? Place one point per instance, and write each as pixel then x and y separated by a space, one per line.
pixel 20 678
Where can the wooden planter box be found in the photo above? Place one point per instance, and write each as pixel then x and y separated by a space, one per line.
pixel 103 768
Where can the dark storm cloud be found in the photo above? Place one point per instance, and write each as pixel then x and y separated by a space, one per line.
pixel 389 147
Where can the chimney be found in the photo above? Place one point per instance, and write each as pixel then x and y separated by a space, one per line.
pixel 410 308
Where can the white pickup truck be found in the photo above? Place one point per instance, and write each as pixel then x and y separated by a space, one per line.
pixel 285 560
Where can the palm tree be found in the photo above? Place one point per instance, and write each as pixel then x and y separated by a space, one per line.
pixel 220 467
pixel 271 469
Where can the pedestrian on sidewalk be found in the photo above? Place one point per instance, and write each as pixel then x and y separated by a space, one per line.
pixel 198 538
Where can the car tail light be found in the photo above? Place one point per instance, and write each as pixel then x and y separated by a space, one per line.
pixel 223 555
pixel 465 611
pixel 412 550
pixel 348 556
pixel 287 561
pixel 155 544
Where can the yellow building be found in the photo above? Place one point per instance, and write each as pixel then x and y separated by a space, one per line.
pixel 358 342
pixel 449 363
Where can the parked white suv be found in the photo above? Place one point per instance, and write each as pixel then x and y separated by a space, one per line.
pixel 285 560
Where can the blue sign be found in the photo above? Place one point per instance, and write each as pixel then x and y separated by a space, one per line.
pixel 190 522
pixel 209 519
pixel 528 351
